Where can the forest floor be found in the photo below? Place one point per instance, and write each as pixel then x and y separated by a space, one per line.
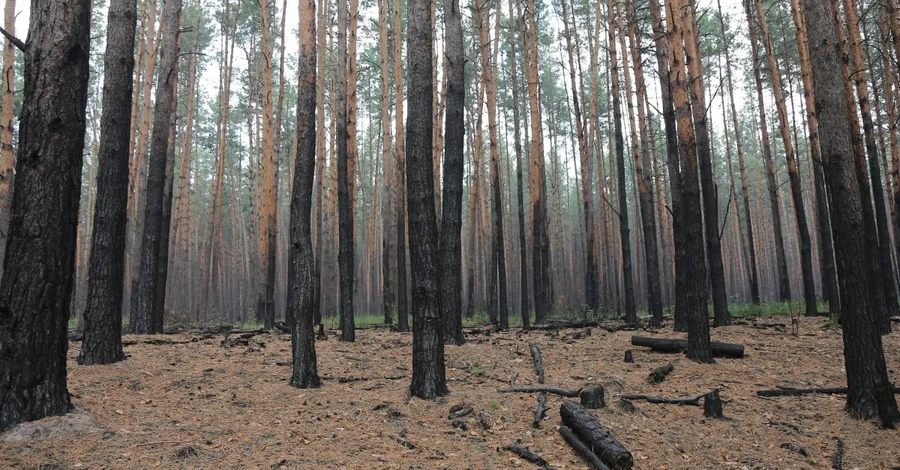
pixel 194 402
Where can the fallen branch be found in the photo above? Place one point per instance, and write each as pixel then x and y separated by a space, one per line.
pixel 529 456
pixel 695 401
pixel 793 392
pixel 582 449
pixel 540 411
pixel 548 389
pixel 679 345
pixel 595 437
pixel 659 374
pixel 538 362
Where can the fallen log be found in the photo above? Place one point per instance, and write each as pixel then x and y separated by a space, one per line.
pixel 282 327
pixel 561 325
pixel 540 411
pixel 692 401
pixel 538 362
pixel 793 392
pixel 529 456
pixel 592 433
pixel 548 389
pixel 582 449
pixel 679 345
pixel 659 374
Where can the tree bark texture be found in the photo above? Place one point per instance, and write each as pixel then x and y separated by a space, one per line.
pixel 345 198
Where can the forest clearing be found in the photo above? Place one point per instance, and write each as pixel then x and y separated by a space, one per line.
pixel 197 404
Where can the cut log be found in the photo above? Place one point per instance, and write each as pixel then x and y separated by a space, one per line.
pixel 540 411
pixel 538 362
pixel 659 374
pixel 529 456
pixel 282 327
pixel 595 436
pixel 548 389
pixel 593 398
pixel 629 357
pixel 793 392
pixel 679 345
pixel 712 405
pixel 582 449
pixel 695 401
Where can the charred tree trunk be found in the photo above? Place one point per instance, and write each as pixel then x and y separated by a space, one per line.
pixel 38 272
pixel 7 153
pixel 524 309
pixel 429 374
pixel 869 389
pixel 102 343
pixel 451 223
pixel 147 312
pixel 345 198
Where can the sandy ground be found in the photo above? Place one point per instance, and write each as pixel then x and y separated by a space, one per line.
pixel 197 404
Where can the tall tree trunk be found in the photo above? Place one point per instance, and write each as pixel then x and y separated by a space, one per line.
pixel 784 287
pixel 451 223
pixel 524 310
pixel 147 312
pixel 402 294
pixel 102 343
pixel 389 217
pixel 869 389
pixel 827 266
pixel 265 298
pixel 537 181
pixel 809 286
pixel 38 275
pixel 888 18
pixel 707 179
pixel 881 215
pixel 324 189
pixel 301 280
pixel 642 167
pixel 345 196
pixel 7 153
pixel 429 374
pixel 690 216
pixel 745 184
pixel 624 230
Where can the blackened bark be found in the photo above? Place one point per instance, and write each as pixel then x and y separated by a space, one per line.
pixel 668 111
pixel 784 287
pixel 36 288
pixel 869 389
pixel 146 306
pixel 624 229
pixel 345 199
pixel 524 310
pixel 102 343
pixel 429 374
pixel 402 289
pixel 451 221
pixel 301 277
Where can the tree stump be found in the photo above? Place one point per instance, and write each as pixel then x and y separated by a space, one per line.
pixel 629 357
pixel 593 398
pixel 712 405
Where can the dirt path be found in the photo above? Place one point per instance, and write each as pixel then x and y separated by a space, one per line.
pixel 196 404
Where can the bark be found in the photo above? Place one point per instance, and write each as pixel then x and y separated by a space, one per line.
pixel 860 81
pixel 38 275
pixel 867 379
pixel 583 450
pixel 690 215
pixel 451 222
pixel 301 280
pixel 784 287
pixel 624 229
pixel 389 251
pixel 7 153
pixel 888 18
pixel 344 185
pixel 809 287
pixel 147 312
pixel 537 182
pixel 832 292
pixel 524 310
pixel 589 430
pixel 642 168
pixel 267 243
pixel 402 294
pixel 694 64
pixel 429 374
pixel 102 342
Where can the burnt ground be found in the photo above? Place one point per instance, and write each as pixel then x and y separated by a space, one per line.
pixel 193 402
